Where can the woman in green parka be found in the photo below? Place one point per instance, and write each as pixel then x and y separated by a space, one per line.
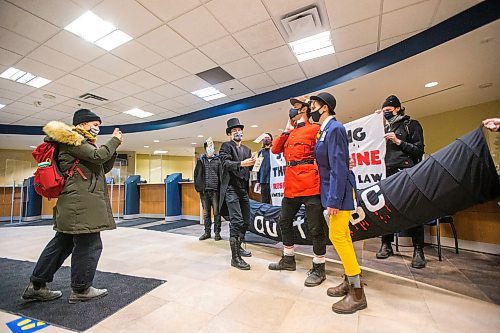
pixel 82 211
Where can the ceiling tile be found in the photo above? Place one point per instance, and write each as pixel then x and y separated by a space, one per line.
pixel 94 74
pixel 224 50
pixel 132 102
pixel 408 19
pixel 9 118
pixel 16 43
pixel 266 89
pixel 170 104
pixel 114 65
pixel 145 80
pixel 108 93
pixel 9 94
pixel 258 81
pixel 242 68
pixel 103 111
pixel 188 99
pixel 39 95
pixel 169 90
pixel 55 59
pixel 219 101
pixel 287 74
pixel 393 40
pixel 8 58
pixel 50 114
pixel 170 9
pixel 320 65
pixel 32 27
pixel 168 71
pixel 275 58
pixel 191 83
pixel 39 69
pixel 150 97
pixel 352 55
pixel 390 5
pixel 19 88
pixel 194 61
pixel 237 15
pixel 125 87
pixel 31 121
pixel 198 26
pixel 60 89
pixel 74 46
pixel 447 9
pixel 155 109
pixel 162 39
pixel 22 108
pixel 355 35
pixel 242 95
pixel 282 7
pixel 342 13
pixel 137 54
pixel 127 15
pixel 230 88
pixel 86 4
pixel 260 37
pixel 77 83
pixel 60 13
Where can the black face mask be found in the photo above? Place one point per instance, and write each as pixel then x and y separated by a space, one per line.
pixel 315 115
pixel 292 113
pixel 388 115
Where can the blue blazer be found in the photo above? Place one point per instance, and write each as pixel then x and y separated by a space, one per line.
pixel 332 156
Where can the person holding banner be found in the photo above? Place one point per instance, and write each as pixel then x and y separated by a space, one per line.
pixel 264 173
pixel 404 148
pixel 236 162
pixel 337 196
pixel 296 143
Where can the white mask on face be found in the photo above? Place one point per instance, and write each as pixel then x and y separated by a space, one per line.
pixel 237 136
pixel 210 151
pixel 94 130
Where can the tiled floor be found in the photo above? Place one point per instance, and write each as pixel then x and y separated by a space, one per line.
pixel 204 294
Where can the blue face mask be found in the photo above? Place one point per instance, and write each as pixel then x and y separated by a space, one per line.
pixel 388 115
pixel 210 151
pixel 292 113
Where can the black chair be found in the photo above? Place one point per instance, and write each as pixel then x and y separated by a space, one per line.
pixel 436 223
pixel 445 219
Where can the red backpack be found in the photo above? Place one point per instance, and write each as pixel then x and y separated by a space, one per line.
pixel 49 179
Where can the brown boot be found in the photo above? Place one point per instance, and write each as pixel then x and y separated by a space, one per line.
pixel 355 300
pixel 340 290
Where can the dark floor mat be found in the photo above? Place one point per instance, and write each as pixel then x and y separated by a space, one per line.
pixel 136 222
pixel 27 224
pixel 172 225
pixel 123 290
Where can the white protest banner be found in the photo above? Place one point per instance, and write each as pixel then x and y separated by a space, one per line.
pixel 367 149
pixel 277 180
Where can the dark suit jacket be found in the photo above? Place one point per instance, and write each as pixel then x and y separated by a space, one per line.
pixel 332 156
pixel 231 165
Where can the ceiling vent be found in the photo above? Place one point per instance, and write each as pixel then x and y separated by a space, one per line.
pixel 89 96
pixel 304 22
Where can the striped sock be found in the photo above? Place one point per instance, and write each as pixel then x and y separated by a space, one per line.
pixel 319 259
pixel 288 251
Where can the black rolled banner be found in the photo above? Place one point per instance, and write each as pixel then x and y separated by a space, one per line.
pixel 456 177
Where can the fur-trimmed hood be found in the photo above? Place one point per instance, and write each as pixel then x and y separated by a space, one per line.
pixel 60 132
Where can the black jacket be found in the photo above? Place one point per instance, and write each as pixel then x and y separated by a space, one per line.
pixel 411 149
pixel 231 166
pixel 200 171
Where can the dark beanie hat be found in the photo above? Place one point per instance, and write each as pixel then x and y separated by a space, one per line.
pixel 84 116
pixel 392 101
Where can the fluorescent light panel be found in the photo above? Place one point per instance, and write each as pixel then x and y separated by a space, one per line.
pixel 95 30
pixel 208 94
pixel 139 113
pixel 313 46
pixel 157 152
pixel 2 106
pixel 23 77
pixel 431 84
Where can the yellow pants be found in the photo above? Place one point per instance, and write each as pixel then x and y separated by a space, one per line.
pixel 340 235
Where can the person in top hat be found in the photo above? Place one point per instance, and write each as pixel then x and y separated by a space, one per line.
pixel 82 211
pixel 236 162
pixel 337 197
pixel 404 148
pixel 296 144
pixel 264 173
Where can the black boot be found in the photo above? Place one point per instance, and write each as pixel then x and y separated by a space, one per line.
pixel 316 275
pixel 287 263
pixel 236 260
pixel 385 251
pixel 243 252
pixel 217 236
pixel 418 260
pixel 206 235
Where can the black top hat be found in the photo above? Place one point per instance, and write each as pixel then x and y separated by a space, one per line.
pixel 326 98
pixel 233 123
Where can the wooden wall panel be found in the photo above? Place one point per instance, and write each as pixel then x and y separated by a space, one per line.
pixel 6 201
pixel 190 200
pixel 152 199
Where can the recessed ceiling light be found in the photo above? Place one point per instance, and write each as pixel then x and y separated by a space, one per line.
pixel 139 113
pixel 313 46
pixel 2 106
pixel 193 143
pixel 95 30
pixel 157 152
pixel 208 94
pixel 200 136
pixel 33 147
pixel 254 126
pixel 23 77
pixel 431 84
pixel 156 141
pixel 146 146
